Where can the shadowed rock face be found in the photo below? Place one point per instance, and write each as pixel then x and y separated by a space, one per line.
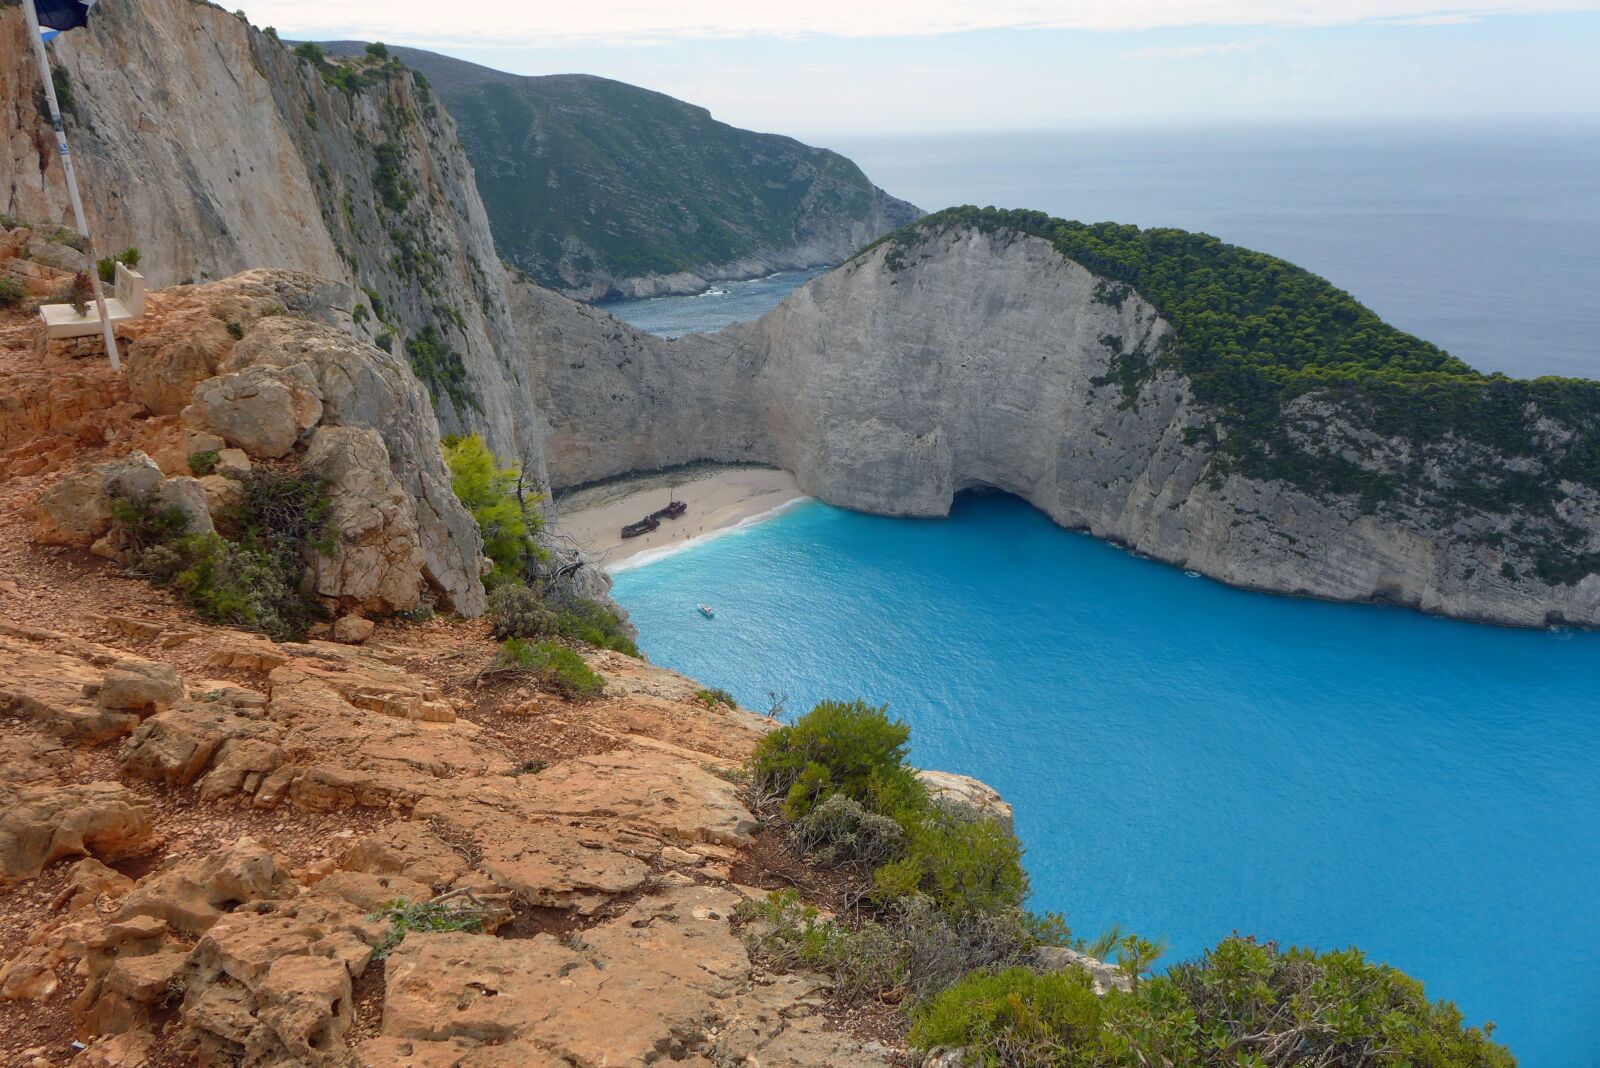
pixel 600 189
pixel 987 361
pixel 214 149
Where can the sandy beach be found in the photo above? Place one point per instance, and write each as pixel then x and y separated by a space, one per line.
pixel 719 497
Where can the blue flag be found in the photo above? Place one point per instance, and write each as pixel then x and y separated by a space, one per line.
pixel 58 15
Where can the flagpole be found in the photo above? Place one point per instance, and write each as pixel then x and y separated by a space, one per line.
pixel 91 253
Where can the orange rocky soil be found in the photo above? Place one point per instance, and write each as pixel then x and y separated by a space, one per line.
pixel 198 827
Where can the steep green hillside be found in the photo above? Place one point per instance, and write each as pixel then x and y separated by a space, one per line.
pixel 590 182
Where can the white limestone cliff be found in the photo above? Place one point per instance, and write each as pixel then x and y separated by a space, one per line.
pixel 890 391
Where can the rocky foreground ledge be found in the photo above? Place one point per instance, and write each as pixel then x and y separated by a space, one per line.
pixel 214 847
pixel 244 810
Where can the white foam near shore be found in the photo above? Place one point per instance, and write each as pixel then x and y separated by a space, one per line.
pixel 720 499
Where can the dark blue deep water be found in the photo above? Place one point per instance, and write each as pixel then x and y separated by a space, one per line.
pixel 1189 760
pixel 1483 237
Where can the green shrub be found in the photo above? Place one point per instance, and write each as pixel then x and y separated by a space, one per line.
pixel 289 514
pixel 107 266
pixel 64 94
pixel 425 916
pixel 1339 1007
pixel 841 833
pixel 311 52
pixel 594 623
pixel 11 292
pixel 940 948
pixel 964 864
pixel 556 667
pixel 438 366
pixel 518 611
pixel 252 581
pixel 377 50
pixel 493 493
pixel 786 934
pixel 837 747
pixel 713 698
pixel 1016 1017
pixel 1242 1003
pixel 142 522
pixel 204 462
pixel 228 583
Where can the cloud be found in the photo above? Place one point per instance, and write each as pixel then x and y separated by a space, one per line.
pixel 1225 48
pixel 521 22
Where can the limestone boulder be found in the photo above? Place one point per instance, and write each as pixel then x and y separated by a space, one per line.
pixel 33 759
pixel 188 494
pixel 232 463
pixel 76 510
pixel 38 826
pixel 142 686
pixel 164 367
pixel 194 894
pixel 377 562
pixel 305 1000
pixel 667 980
pixel 970 794
pixel 1103 977
pixel 55 686
pixel 56 255
pixel 179 745
pixel 221 493
pixel 352 629
pixel 362 386
pixel 262 410
pixel 408 848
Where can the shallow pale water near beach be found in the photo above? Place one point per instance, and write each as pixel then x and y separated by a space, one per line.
pixel 1187 759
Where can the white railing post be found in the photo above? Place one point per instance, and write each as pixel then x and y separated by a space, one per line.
pixel 91 254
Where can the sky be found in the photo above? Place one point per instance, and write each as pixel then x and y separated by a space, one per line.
pixel 863 67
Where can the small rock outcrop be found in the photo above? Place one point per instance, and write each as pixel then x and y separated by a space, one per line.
pixel 278 381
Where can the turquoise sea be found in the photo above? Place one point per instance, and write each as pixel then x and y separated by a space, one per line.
pixel 1187 759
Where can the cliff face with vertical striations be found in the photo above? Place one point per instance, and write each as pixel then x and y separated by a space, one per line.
pixel 213 148
pixel 987 358
pixel 601 189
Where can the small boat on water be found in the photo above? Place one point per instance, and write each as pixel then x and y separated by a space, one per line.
pixel 1191 574
pixel 707 611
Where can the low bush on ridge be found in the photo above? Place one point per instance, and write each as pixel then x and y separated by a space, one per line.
pixel 947 927
pixel 553 665
pixel 519 603
pixel 492 493
pixel 251 578
pixel 520 611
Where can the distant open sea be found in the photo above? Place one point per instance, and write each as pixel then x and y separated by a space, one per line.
pixel 1480 237
pixel 1186 759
